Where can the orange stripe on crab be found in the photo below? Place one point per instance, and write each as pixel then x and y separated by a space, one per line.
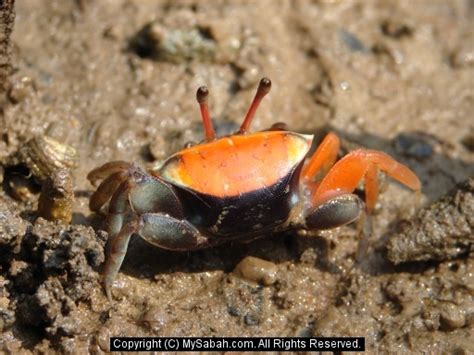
pixel 234 165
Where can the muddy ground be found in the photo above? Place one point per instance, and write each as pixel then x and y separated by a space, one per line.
pixel 117 80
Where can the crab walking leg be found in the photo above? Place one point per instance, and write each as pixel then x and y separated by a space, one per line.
pixel 107 169
pixel 393 168
pixel 346 174
pixel 364 229
pixel 115 254
pixel 371 186
pixel 106 189
pixel 397 171
pixel 324 157
pixel 119 235
pixel 117 208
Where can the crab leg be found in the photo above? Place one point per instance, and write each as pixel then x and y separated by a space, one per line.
pixel 106 190
pixel 107 169
pixel 346 174
pixel 364 229
pixel 324 157
pixel 115 254
pixel 117 208
pixel 371 186
pixel 119 235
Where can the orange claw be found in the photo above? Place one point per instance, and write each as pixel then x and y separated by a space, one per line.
pixel 346 174
pixel 324 157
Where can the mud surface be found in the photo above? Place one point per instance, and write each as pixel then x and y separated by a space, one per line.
pixel 443 230
pixel 117 80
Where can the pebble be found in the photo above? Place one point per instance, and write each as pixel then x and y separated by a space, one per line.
pixel 256 270
pixel 452 317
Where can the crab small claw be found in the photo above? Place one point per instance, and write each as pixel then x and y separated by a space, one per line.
pixel 335 212
pixel 157 229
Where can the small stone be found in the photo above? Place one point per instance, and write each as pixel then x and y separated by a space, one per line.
pixel 20 89
pixel 103 338
pixel 351 41
pixel 156 318
pixel 468 141
pixel 249 319
pixel 256 270
pixel 452 317
pixel 462 57
pixel 395 28
pixel 22 188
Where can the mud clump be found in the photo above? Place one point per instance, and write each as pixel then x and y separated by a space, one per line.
pixel 7 19
pixel 443 230
pixel 52 275
pixel 12 229
pixel 249 304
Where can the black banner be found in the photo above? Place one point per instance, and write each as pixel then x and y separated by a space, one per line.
pixel 236 344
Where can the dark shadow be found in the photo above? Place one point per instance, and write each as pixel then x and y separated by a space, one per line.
pixel 146 261
pixel 92 220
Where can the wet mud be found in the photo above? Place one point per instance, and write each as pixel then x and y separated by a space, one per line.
pixel 116 80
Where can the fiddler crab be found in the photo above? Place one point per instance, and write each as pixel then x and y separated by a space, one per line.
pixel 238 187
